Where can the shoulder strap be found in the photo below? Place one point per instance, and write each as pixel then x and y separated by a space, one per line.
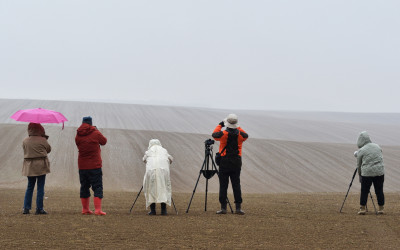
pixel 224 149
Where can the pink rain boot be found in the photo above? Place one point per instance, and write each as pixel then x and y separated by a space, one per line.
pixel 85 206
pixel 97 206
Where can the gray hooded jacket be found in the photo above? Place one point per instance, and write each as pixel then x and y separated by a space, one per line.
pixel 369 157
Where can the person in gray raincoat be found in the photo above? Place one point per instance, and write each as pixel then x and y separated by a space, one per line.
pixel 371 171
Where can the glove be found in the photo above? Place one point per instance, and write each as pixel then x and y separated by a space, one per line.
pixel 360 178
pixel 356 153
pixel 222 124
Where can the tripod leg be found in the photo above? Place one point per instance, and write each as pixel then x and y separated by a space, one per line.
pixel 194 190
pixel 344 200
pixel 173 203
pixel 373 203
pixel 351 183
pixel 227 200
pixel 136 199
pixel 205 203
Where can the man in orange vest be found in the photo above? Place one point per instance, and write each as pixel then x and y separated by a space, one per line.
pixel 230 148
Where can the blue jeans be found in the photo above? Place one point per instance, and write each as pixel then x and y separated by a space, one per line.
pixel 40 192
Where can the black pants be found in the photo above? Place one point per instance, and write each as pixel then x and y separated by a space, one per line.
pixel 91 178
pixel 230 168
pixel 366 183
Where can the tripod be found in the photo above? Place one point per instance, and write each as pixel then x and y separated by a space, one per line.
pixel 207 172
pixel 173 203
pixel 351 183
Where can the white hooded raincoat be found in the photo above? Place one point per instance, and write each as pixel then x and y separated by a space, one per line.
pixel 156 181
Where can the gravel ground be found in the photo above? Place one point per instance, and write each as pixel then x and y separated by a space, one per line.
pixel 273 221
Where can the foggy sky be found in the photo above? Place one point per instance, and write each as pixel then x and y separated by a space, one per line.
pixel 268 55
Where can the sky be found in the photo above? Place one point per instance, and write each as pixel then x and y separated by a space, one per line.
pixel 338 55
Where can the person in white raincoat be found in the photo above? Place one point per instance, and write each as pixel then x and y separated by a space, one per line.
pixel 156 181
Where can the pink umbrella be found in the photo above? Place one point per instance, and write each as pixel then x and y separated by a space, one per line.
pixel 39 115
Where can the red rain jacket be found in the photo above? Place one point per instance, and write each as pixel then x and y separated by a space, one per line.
pixel 88 139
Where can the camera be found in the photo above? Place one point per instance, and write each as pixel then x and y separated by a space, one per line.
pixel 209 142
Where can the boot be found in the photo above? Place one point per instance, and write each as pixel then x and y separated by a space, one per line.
pixel 163 209
pixel 26 211
pixel 85 206
pixel 380 211
pixel 40 211
pixel 97 206
pixel 152 209
pixel 223 209
pixel 362 210
pixel 239 209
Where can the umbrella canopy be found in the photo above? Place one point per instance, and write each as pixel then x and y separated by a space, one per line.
pixel 39 115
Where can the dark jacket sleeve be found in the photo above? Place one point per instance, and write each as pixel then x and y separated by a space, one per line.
pixel 217 133
pixel 243 134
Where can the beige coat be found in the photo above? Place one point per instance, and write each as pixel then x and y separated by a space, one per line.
pixel 36 162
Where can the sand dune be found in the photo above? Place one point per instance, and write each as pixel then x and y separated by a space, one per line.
pixel 269 165
pixel 289 126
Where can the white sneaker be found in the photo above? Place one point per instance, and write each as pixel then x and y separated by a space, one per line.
pixel 362 211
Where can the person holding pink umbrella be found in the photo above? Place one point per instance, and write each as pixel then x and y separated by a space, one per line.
pixel 36 165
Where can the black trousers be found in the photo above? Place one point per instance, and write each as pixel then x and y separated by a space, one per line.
pixel 91 178
pixel 230 169
pixel 366 183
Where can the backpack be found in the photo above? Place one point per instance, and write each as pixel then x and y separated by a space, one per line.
pixel 232 148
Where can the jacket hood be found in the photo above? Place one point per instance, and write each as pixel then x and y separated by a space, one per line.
pixel 154 142
pixel 85 129
pixel 363 139
pixel 35 129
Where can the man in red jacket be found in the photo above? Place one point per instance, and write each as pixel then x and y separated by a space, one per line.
pixel 88 140
pixel 230 148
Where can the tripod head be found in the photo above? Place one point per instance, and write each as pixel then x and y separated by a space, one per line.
pixel 206 170
pixel 208 145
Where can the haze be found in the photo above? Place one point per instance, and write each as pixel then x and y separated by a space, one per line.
pixel 267 55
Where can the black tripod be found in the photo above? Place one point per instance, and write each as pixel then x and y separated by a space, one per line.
pixel 173 203
pixel 351 183
pixel 207 172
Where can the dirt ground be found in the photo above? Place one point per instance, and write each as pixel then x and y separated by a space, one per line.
pixel 273 221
